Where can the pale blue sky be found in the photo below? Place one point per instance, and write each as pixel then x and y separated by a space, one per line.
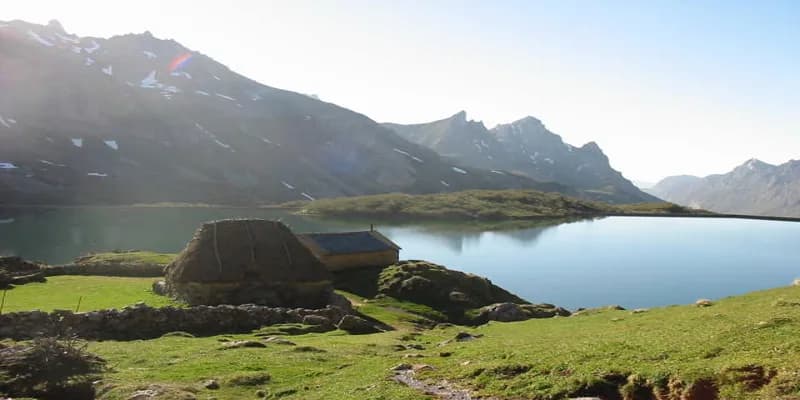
pixel 665 87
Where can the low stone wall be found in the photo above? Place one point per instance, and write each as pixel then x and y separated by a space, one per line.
pixel 130 270
pixel 143 322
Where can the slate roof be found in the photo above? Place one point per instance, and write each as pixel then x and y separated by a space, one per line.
pixel 350 242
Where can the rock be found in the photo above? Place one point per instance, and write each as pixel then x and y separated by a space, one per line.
pixel 402 367
pixel 445 354
pixel 413 355
pixel 337 300
pixel 160 288
pixel 277 340
pixel 796 282
pixel 639 311
pixel 316 320
pixel 505 312
pixel 703 303
pixel 422 367
pixel 356 325
pixel 211 384
pixel 464 337
pixel 242 344
pixel 261 394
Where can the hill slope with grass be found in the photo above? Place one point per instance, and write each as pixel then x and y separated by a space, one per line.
pixel 742 347
pixel 478 204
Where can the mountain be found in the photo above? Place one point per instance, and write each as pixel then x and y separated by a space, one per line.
pixel 754 187
pixel 137 119
pixel 525 147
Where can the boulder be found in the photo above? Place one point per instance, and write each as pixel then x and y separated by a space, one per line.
pixel 248 261
pixel 160 288
pixel 356 325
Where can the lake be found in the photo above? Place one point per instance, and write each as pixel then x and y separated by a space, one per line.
pixel 631 261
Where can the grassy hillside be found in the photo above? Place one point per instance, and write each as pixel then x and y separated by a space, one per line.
pixel 743 347
pixel 476 204
pixel 132 257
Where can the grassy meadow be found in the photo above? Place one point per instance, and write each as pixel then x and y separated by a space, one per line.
pixel 747 346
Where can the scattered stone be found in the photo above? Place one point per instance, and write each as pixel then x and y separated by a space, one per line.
pixel 261 393
pixel 278 340
pixel 356 325
pixel 160 288
pixel 445 354
pixel 703 303
pixel 308 349
pixel 402 367
pixel 414 355
pixel 465 363
pixel 211 384
pixel 464 337
pixel 639 311
pixel 316 320
pixel 421 367
pixel 242 344
pixel 796 282
pixel 404 347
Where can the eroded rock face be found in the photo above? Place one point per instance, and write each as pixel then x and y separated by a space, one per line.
pixel 356 325
pixel 248 261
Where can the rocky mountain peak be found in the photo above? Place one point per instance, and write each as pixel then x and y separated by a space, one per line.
pixel 56 26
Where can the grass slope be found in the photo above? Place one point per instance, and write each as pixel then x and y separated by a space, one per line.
pixel 475 204
pixel 747 346
pixel 97 292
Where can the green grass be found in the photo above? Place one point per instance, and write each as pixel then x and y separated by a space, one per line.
pixel 128 257
pixel 539 359
pixel 535 359
pixel 97 292
pixel 489 205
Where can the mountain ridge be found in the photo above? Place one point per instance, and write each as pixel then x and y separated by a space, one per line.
pixel 527 147
pixel 753 187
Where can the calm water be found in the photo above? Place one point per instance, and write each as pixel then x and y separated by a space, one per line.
pixel 635 262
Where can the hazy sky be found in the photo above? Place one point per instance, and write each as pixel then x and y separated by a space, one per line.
pixel 665 87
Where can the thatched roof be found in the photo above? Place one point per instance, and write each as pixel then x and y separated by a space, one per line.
pixel 252 250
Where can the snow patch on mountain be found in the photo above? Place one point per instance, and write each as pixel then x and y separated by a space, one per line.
pixel 94 47
pixel 445 184
pixel 149 54
pixel 225 97
pixel 287 185
pixel 77 142
pixel 45 162
pixel 112 144
pixel 89 62
pixel 4 123
pixel 44 42
pixel 149 81
pixel 200 92
pixel 459 170
pixel 304 194
pixel 97 174
pixel 67 39
pixel 109 70
pixel 182 73
pixel 7 165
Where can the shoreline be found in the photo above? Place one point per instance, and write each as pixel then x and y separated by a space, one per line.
pixel 379 219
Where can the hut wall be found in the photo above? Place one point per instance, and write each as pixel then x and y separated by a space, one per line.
pixel 338 262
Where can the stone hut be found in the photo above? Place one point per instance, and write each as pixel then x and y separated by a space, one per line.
pixel 248 261
pixel 348 250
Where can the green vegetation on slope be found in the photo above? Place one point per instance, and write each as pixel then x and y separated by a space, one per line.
pixel 745 347
pixel 94 293
pixel 476 204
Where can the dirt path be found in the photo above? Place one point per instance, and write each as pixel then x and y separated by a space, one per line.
pixel 443 389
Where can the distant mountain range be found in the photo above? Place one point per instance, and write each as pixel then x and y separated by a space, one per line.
pixel 528 148
pixel 136 119
pixel 754 187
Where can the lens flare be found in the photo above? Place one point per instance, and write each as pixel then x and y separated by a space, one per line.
pixel 179 62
